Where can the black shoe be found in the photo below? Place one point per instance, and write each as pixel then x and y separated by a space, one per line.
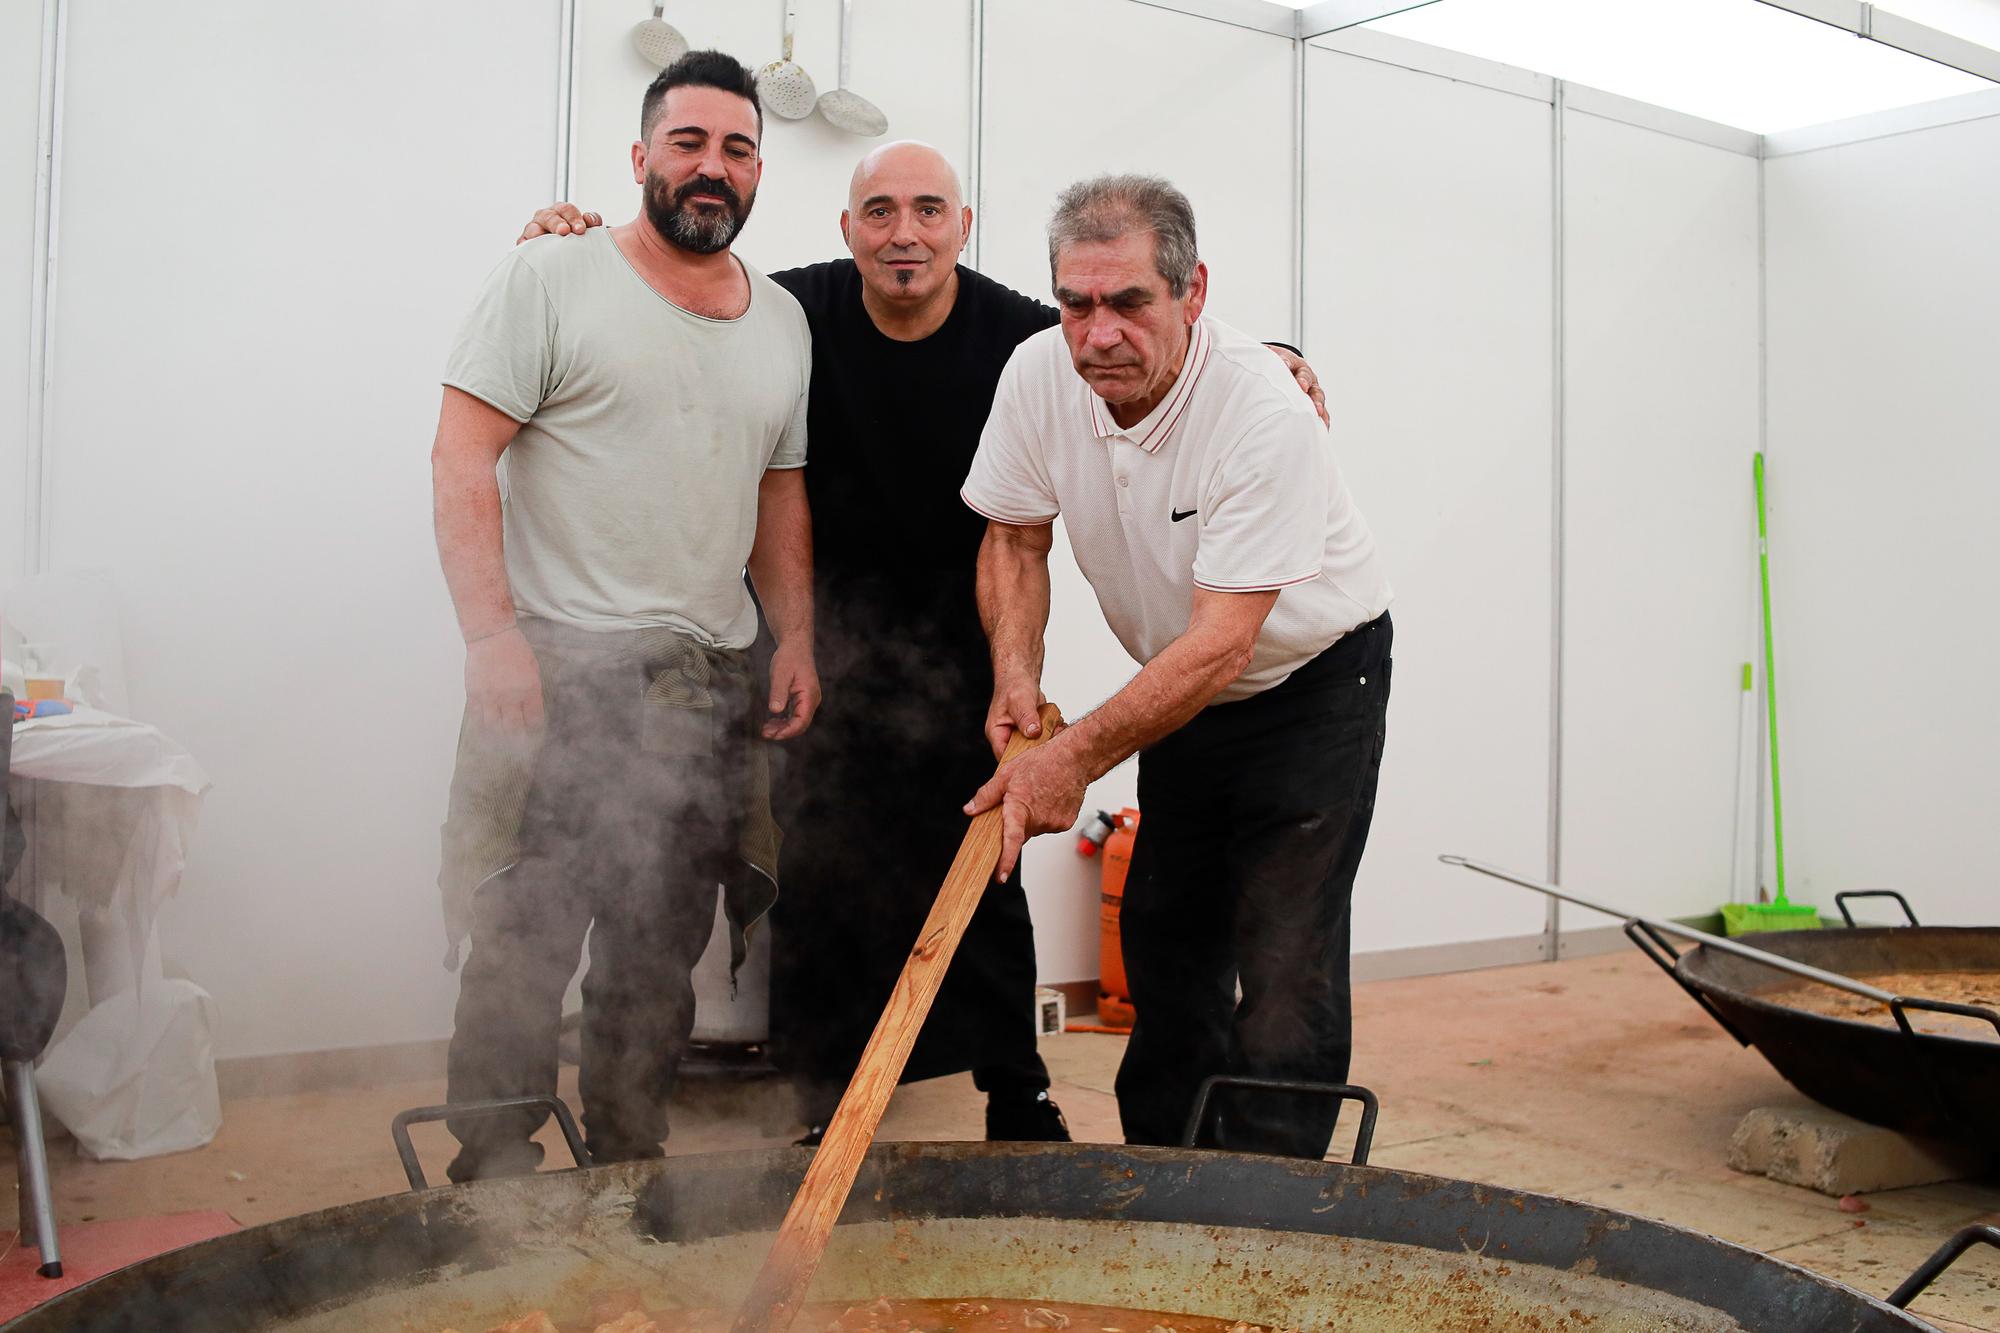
pixel 513 1159
pixel 811 1138
pixel 1019 1119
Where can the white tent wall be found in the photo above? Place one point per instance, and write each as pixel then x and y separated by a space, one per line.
pixel 1429 299
pixel 1428 309
pixel 245 388
pixel 1884 323
pixel 274 217
pixel 1660 288
pixel 20 100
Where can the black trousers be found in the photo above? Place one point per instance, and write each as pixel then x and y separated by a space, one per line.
pixel 983 1018
pixel 869 835
pixel 620 845
pixel 1255 816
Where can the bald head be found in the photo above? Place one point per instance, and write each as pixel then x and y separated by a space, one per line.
pixel 906 166
pixel 905 224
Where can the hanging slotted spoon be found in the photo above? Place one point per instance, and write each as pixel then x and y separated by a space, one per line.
pixel 659 42
pixel 845 110
pixel 785 89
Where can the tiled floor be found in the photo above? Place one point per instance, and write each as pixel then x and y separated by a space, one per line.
pixel 1592 1078
pixel 92 1249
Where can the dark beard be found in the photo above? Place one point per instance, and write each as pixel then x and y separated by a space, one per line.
pixel 691 229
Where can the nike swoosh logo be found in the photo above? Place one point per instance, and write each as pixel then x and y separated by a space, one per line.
pixel 1178 514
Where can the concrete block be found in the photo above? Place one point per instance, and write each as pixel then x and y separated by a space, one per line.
pixel 1836 1154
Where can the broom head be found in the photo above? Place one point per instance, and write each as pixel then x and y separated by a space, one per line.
pixel 1748 918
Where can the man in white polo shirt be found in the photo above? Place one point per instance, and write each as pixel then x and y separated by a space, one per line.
pixel 1205 509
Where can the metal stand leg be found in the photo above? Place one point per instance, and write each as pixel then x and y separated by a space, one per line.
pixel 37 1208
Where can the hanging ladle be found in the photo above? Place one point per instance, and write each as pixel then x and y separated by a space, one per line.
pixel 659 42
pixel 845 110
pixel 785 89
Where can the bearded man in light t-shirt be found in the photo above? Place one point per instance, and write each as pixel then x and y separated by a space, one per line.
pixel 648 393
pixel 1206 511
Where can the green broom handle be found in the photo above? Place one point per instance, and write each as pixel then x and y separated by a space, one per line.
pixel 1770 679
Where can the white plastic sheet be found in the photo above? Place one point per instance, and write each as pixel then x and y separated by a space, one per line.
pixel 136 1076
pixel 103 749
pixel 111 805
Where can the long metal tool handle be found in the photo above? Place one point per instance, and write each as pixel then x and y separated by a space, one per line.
pixel 1738 891
pixel 1717 942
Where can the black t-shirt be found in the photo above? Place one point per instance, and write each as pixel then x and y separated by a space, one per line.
pixel 891 430
pixel 869 796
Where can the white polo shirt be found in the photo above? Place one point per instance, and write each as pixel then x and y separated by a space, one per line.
pixel 1228 484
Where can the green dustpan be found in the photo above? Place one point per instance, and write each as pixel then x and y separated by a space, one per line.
pixel 1743 918
pixel 1781 913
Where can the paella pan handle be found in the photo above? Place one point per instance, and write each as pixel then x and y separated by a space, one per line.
pixel 1946 1105
pixel 1933 1268
pixel 1841 900
pixel 1902 1002
pixel 1364 1138
pixel 413 1170
pixel 1654 945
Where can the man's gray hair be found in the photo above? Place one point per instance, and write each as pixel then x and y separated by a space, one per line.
pixel 1107 207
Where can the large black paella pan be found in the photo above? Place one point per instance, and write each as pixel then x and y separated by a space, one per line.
pixel 1272 1241
pixel 1872 1022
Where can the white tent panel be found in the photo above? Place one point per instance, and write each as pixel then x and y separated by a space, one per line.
pixel 264 257
pixel 262 267
pixel 1213 114
pixel 1884 311
pixel 1429 300
pixel 1660 371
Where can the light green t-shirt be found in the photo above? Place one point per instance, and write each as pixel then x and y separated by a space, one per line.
pixel 630 494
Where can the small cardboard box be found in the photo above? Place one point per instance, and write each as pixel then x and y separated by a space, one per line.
pixel 1050 1012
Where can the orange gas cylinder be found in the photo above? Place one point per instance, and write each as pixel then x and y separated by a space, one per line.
pixel 1114 1003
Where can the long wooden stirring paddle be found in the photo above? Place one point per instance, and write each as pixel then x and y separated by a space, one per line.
pixel 788 1270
